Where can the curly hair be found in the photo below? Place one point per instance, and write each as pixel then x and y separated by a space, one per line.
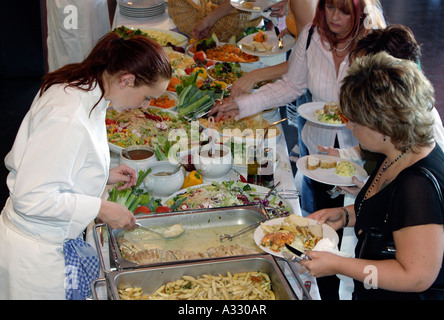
pixel 391 96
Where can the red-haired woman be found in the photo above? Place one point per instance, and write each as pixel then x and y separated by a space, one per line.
pixel 320 68
pixel 59 167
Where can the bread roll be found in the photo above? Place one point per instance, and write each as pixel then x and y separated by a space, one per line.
pixel 328 164
pixel 313 163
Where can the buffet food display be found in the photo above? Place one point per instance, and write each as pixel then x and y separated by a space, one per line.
pixel 177 252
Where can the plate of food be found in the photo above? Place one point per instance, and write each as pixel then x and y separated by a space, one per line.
pixel 225 194
pixel 299 232
pixel 150 126
pixel 324 113
pixel 331 170
pixel 162 37
pixel 227 72
pixel 222 52
pixel 250 5
pixel 167 101
pixel 265 43
pixel 247 129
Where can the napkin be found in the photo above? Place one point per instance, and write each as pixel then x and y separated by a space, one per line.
pixel 327 245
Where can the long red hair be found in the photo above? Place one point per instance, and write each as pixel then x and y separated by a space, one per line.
pixel 139 56
pixel 355 8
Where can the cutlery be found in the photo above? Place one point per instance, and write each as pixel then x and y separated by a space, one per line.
pixel 299 254
pixel 271 190
pixel 276 30
pixel 165 234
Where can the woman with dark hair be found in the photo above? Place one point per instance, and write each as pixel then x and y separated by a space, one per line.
pixel 59 166
pixel 398 216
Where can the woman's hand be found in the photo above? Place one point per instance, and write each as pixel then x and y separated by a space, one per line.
pixel 279 9
pixel 243 85
pixel 353 190
pixel 329 150
pixel 122 173
pixel 225 110
pixel 334 217
pixel 322 263
pixel 202 29
pixel 116 215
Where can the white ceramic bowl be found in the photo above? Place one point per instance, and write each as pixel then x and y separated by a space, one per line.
pixel 164 185
pixel 139 164
pixel 213 167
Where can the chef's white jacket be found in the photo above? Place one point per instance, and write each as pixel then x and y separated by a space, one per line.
pixel 74 27
pixel 59 166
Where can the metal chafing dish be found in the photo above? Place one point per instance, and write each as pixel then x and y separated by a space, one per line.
pixel 195 222
pixel 150 279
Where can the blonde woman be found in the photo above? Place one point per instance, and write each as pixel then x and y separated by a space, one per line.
pixel 389 104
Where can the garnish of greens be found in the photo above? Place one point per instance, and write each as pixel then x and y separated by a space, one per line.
pixel 134 196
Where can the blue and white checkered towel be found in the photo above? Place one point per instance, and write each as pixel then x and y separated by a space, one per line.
pixel 81 268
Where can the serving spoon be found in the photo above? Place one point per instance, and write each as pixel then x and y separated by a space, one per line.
pixel 168 233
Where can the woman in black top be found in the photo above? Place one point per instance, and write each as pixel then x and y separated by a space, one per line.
pixel 388 103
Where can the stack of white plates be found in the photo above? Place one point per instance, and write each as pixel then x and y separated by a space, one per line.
pixel 142 8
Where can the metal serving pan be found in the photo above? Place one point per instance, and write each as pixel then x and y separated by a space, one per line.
pixel 195 223
pixel 150 279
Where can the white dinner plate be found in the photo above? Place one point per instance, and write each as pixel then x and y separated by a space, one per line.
pixel 181 40
pixel 307 111
pixel 259 234
pixel 258 5
pixel 288 42
pixel 328 176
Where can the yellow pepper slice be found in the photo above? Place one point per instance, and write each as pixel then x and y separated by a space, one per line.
pixel 194 178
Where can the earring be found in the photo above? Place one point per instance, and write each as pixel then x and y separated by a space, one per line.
pixel 385 138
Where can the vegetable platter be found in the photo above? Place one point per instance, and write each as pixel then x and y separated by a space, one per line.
pixel 151 127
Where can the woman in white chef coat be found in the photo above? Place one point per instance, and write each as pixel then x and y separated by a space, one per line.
pixel 59 167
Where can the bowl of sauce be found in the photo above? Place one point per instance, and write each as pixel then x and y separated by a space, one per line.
pixel 213 165
pixel 138 157
pixel 163 180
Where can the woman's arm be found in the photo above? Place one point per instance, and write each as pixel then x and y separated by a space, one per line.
pixel 203 27
pixel 419 254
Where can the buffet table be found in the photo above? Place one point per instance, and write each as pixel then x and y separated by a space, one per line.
pixel 283 173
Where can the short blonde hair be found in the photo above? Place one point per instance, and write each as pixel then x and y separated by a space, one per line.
pixel 391 96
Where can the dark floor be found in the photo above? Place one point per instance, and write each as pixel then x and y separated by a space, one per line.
pixel 22 64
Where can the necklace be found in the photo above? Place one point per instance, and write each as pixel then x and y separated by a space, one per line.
pixel 345 48
pixel 369 190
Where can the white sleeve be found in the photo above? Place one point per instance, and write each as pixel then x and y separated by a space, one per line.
pixel 292 85
pixel 54 156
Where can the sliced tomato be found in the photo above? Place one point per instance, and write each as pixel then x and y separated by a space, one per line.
pixel 161 209
pixel 143 210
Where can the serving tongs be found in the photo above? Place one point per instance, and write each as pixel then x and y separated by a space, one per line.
pixel 229 237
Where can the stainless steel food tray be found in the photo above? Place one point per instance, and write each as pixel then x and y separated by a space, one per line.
pixel 192 221
pixel 150 279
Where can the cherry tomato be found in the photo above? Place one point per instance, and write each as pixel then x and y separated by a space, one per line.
pixel 162 209
pixel 189 70
pixel 200 56
pixel 209 63
pixel 143 210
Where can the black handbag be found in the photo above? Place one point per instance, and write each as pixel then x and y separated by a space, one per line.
pixel 378 243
